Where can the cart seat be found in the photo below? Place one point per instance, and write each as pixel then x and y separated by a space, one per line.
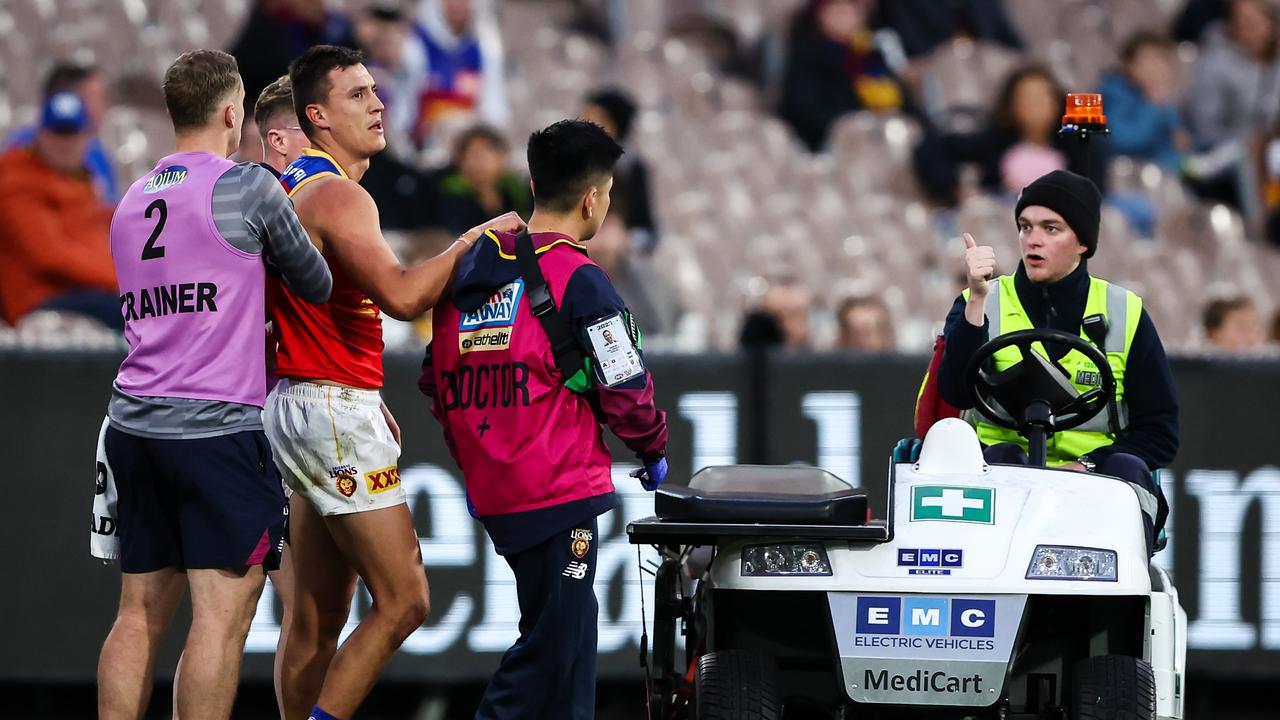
pixel 776 494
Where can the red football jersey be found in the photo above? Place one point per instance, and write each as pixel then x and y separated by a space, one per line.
pixel 340 340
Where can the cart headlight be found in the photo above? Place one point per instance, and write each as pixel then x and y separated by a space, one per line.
pixel 790 559
pixel 1052 562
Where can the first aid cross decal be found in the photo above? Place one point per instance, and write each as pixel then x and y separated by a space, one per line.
pixel 953 503
pixel 956 504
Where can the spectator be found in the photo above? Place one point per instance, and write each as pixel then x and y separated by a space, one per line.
pixel 1019 144
pixel 405 195
pixel 276 32
pixel 479 184
pixel 641 286
pixel 603 22
pixel 613 110
pixel 1234 95
pixel 1272 228
pixel 87 82
pixel 1196 17
pixel 382 32
pixel 835 66
pixel 1232 326
pixel 865 326
pixel 1268 164
pixel 922 25
pixel 54 253
pixel 1140 103
pixel 782 319
pixel 462 52
pixel 719 44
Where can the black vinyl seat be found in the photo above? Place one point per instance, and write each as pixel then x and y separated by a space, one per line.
pixel 776 494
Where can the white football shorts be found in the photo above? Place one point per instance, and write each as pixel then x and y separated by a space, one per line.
pixel 333 446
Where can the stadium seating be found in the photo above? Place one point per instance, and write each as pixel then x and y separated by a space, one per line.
pixel 738 198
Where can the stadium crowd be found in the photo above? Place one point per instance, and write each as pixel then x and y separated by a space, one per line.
pixel 797 174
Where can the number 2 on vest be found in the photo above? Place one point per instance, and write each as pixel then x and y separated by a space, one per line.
pixel 151 251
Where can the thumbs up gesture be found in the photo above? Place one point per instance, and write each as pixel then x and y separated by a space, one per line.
pixel 979 264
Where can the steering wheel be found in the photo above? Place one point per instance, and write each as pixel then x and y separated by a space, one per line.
pixel 1003 397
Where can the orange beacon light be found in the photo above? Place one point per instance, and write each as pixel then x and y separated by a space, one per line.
pixel 1084 116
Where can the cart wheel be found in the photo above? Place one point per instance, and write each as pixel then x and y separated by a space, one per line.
pixel 736 685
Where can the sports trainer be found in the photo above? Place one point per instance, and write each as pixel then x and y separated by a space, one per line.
pixel 200 500
pixel 532 351
pixel 1057 217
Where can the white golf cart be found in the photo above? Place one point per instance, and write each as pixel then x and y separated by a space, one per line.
pixel 989 591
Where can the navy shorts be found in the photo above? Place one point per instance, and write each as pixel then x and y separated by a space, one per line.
pixel 208 503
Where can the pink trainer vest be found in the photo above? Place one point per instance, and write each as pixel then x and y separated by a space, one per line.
pixel 193 305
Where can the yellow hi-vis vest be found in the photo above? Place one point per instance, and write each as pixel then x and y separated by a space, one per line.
pixel 1121 308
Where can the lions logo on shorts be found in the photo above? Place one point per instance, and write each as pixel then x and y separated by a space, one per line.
pixel 346 485
pixel 580 542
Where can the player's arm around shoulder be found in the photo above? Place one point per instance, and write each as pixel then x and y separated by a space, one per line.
pixel 346 217
pixel 286 244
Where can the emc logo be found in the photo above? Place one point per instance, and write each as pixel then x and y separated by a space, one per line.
pixel 930 557
pixel 926 616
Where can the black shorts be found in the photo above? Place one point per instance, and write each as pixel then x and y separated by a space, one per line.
pixel 209 503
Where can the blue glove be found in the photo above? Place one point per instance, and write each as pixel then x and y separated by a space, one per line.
pixel 652 474
pixel 470 507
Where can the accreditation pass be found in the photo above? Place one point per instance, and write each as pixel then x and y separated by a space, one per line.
pixel 616 356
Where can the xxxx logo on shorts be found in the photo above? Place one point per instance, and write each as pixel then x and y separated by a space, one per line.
pixel 382 480
pixel 346 485
pixel 580 542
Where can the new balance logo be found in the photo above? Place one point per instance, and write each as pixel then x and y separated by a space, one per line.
pixel 575 570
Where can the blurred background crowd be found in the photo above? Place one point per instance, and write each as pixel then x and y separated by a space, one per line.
pixel 798 172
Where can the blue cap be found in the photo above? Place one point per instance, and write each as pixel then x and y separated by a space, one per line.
pixel 64 112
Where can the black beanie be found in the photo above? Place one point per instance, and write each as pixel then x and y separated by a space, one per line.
pixel 1072 196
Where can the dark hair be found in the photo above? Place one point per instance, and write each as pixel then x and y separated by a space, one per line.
pixel 194 85
pixel 1216 312
pixel 66 77
pixel 618 106
pixel 309 73
pixel 857 301
pixel 275 99
pixel 386 11
pixel 884 322
pixel 486 133
pixel 566 158
pixel 1269 9
pixel 1140 40
pixel 1002 116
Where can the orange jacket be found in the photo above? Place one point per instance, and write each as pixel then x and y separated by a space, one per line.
pixel 53 235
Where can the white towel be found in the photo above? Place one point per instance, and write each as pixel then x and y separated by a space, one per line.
pixel 104 536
